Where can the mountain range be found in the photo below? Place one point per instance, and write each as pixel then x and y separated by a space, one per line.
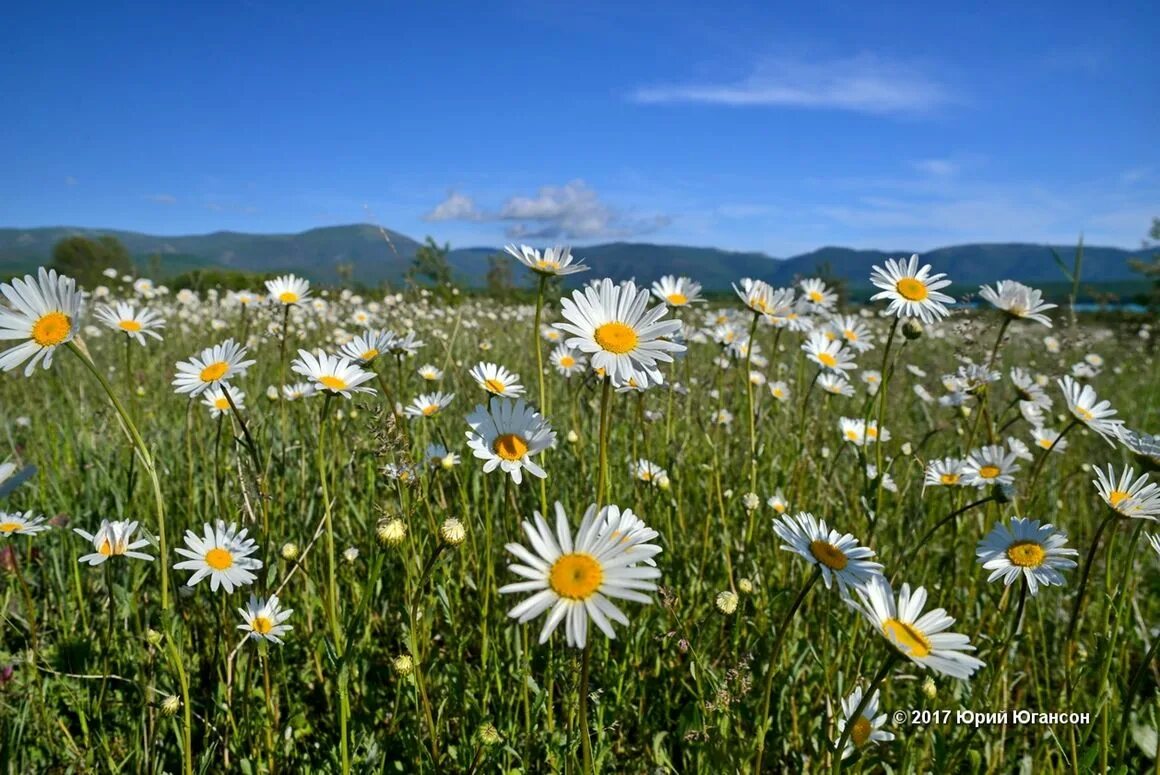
pixel 319 254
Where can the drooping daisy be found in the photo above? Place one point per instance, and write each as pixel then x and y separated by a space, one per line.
pixel 43 311
pixel 1046 438
pixel 219 404
pixel 1085 406
pixel 264 619
pixel 1129 496
pixel 567 361
pixel 828 353
pixel 367 346
pixel 627 528
pixel 21 524
pixel 919 637
pixel 332 373
pixel 1018 301
pixel 406 345
pixel 647 471
pixel 991 464
pixel 613 324
pixel 113 539
pixel 134 323
pixel 497 380
pixel 677 291
pixel 554 261
pixel 1026 548
pixel 507 434
pixel 777 502
pixel 947 472
pixel 1145 447
pixel 816 296
pixel 867 727
pixel 215 365
pixel 573 577
pixel 222 553
pixel 288 289
pixel 430 373
pixel 298 391
pixel 428 404
pixel 838 556
pixel 836 385
pixel 1019 448
pixel 912 292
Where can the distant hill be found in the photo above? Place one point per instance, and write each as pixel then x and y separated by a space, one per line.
pixel 318 253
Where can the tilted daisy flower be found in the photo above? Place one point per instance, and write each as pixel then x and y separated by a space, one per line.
pixel 215 365
pixel 838 556
pixel 989 465
pixel 779 390
pixel 219 404
pixel 1145 447
pixel 1018 301
pixel 627 528
pixel 506 435
pixel 222 553
pixel 332 373
pixel 1019 448
pixel 777 502
pixel 43 311
pixel 288 289
pixel 113 539
pixel 828 353
pixel 867 727
pixel 1129 495
pixel 137 324
pixel 613 324
pixel 573 577
pixel 919 637
pixel 816 295
pixel 852 331
pixel 264 619
pixel 429 404
pixel 437 455
pixel 21 524
pixel 554 261
pixel 298 391
pixel 1046 438
pixel 406 345
pixel 567 361
pixel 497 380
pixel 1154 539
pixel 677 291
pixel 947 472
pixel 912 292
pixel 1086 407
pixel 758 295
pixel 367 346
pixel 836 385
pixel 647 471
pixel 1026 548
pixel 430 373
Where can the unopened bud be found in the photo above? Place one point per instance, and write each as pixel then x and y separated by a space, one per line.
pixel 727 602
pixel 392 532
pixel 912 329
pixel 452 531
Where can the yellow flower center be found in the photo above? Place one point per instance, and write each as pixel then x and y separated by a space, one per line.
pixel 911 289
pixel 907 638
pixel 430 409
pixel 332 382
pixel 549 264
pixel 850 335
pixel 218 558
pixel 1026 554
pixel 106 548
pixel 369 355
pixel 509 446
pixel 677 299
pixel 827 360
pixel 262 625
pixel 222 404
pixel 852 434
pixel 1046 443
pixel 949 478
pixel 1084 414
pixel 872 432
pixel 567 361
pixel 8 528
pixel 494 386
pixel 288 297
pixel 989 472
pixel 815 296
pixel 1116 497
pixel 616 338
pixel 51 329
pixel 576 576
pixel 132 326
pixel 828 554
pixel 214 371
pixel 860 732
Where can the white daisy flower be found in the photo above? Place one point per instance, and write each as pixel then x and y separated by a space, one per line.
pixel 677 291
pixel 222 553
pixel 497 380
pixel 779 390
pixel 852 331
pixel 113 539
pixel 1085 406
pixel 1129 496
pixel 567 361
pixel 647 471
pixel 288 289
pixel 367 346
pixel 554 261
pixel 219 404
pixel 506 435
pixel 919 637
pixel 264 619
pixel 132 322
pixel 912 292
pixel 1019 448
pixel 816 295
pixel 867 727
pixel 1025 548
pixel 828 353
pixel 332 373
pixel 406 345
pixel 992 464
pixel 429 404
pixel 437 455
pixel 628 528
pixel 1045 438
pixel 947 472
pixel 43 311
pixel 21 524
pixel 838 556
pixel 573 577
pixel 430 373
pixel 777 502
pixel 298 391
pixel 215 365
pixel 835 384
pixel 1018 301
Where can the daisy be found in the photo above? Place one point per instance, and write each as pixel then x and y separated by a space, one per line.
pixel 1018 301
pixel 1128 496
pixel 567 361
pixel 136 324
pixel 836 385
pixel 332 373
pixel 947 472
pixel 288 289
pixel 430 373
pixel 506 435
pixel 21 524
pixel 1028 390
pixel 990 465
pixel 43 311
pixel 297 391
pixel 264 619
pixel 614 326
pixel 222 553
pixel 497 380
pixel 853 332
pixel 218 364
pixel 1025 548
pixel 677 291
pixel 912 292
pixel 1019 448
pixel 555 261
pixel 828 353
pixel 1154 539
pixel 367 346
pixel 647 471
pixel 837 556
pixel 219 404
pixel 428 404
pixel 1046 438
pixel 758 295
pixel 404 345
pixel 919 637
pixel 1082 403
pixel 113 539
pixel 867 727
pixel 438 455
pixel 627 528
pixel 779 390
pixel 573 577
pixel 1145 447
pixel 778 503
pixel 816 295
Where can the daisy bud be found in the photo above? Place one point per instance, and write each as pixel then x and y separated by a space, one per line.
pixel 272 393
pixel 170 705
pixel 488 735
pixel 153 637
pixel 745 585
pixel 727 602
pixel 350 554
pixel 289 551
pixel 447 462
pixel 392 532
pixel 928 688
pixel 663 483
pixel 452 531
pixel 751 501
pixel 140 391
pixel 912 329
pixel 403 664
pixel 573 437
pixel 728 494
pixel 907 448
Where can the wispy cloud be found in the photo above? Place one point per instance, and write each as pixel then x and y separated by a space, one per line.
pixel 865 84
pixel 942 168
pixel 162 199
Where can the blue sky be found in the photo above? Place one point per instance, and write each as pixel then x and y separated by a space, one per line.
pixel 763 126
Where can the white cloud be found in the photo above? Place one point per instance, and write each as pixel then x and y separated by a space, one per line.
pixel 865 84
pixel 162 199
pixel 456 207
